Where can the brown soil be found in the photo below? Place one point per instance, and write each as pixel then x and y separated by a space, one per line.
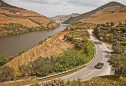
pixel 107 17
pixel 109 14
pixel 23 17
pixel 51 47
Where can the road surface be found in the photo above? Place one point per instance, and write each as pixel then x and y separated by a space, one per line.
pixel 89 71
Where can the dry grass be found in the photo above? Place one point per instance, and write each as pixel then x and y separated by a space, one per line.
pixel 42 20
pixel 21 16
pixel 51 47
pixel 29 19
pixel 103 18
pixel 109 14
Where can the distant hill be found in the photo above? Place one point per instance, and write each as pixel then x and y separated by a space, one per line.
pixel 14 20
pixel 3 4
pixel 64 17
pixel 109 7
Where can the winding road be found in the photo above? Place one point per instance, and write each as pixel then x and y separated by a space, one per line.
pixel 85 73
pixel 89 71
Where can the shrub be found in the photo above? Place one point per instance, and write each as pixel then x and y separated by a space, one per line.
pixel 21 51
pixel 36 84
pixel 41 42
pixel 68 37
pixel 69 59
pixel 3 60
pixel 6 74
pixel 44 66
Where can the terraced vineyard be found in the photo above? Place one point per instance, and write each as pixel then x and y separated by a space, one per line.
pixel 69 49
pixel 20 20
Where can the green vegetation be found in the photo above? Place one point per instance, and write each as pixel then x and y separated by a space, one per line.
pixel 99 81
pixel 41 42
pixel 44 66
pixel 6 74
pixel 111 33
pixel 115 35
pixel 118 61
pixel 81 54
pixel 20 52
pixel 3 60
pixel 36 84
pixel 69 59
pixel 15 28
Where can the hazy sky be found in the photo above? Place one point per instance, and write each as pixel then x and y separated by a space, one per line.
pixel 60 7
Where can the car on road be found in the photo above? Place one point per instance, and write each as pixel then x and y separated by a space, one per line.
pixel 99 65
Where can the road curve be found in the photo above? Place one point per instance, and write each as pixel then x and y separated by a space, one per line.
pixel 89 71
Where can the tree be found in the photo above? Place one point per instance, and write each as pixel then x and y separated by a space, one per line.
pixel 25 70
pixel 117 47
pixel 119 64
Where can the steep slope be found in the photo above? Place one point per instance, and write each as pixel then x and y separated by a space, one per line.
pixel 112 6
pixel 14 20
pixel 52 47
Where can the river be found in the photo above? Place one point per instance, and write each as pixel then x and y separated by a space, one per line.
pixel 11 45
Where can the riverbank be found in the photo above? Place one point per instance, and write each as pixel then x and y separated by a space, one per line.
pixel 24 41
pixel 16 29
pixel 56 46
pixel 51 47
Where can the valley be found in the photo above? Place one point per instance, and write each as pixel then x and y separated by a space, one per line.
pixel 86 49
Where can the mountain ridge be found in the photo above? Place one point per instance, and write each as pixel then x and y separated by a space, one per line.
pixel 88 14
pixel 64 17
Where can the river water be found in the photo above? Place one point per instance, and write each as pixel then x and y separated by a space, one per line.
pixel 11 45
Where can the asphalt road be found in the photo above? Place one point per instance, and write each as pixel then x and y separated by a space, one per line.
pixel 89 71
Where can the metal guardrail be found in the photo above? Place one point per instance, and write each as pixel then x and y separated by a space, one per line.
pixel 69 71
pixel 62 73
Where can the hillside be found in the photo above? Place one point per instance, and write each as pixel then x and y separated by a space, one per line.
pixel 108 12
pixel 59 53
pixel 52 47
pixel 64 17
pixel 14 20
